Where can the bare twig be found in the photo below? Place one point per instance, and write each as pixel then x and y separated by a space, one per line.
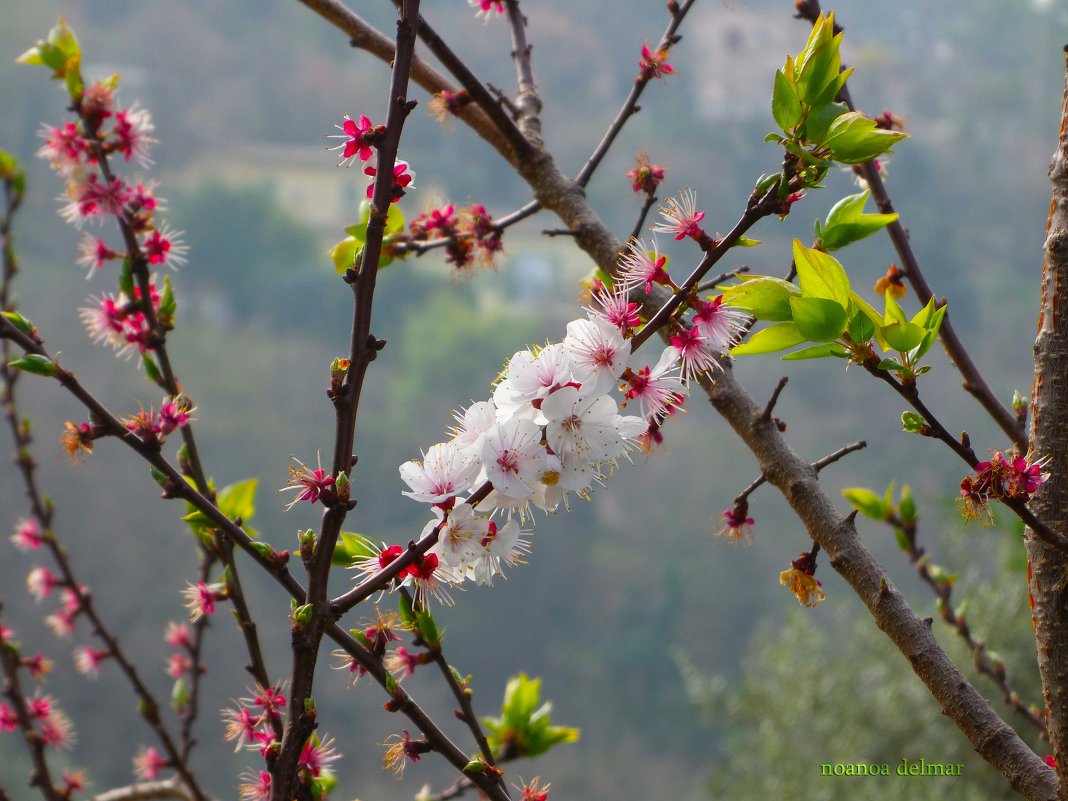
pixel 527 101
pixel 630 105
pixel 943 590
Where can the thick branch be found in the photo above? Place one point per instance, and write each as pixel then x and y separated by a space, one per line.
pixel 1049 438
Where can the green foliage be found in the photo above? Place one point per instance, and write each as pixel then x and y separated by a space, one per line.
pixel 345 252
pixel 20 322
pixel 350 547
pixel 869 503
pixel 847 223
pixel 61 54
pixel 34 363
pixel 524 727
pixel 853 139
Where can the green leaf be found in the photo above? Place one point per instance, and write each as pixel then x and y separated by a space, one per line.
pixel 525 724
pixel 912 422
pixel 745 242
pixel 853 138
pixel 765 297
pixel 861 328
pixel 152 372
pixel 820 119
pixel 831 90
pixel 867 503
pixel 820 68
pixel 817 352
pixel 775 337
pixel 238 500
pixel 407 613
pixel 351 547
pixel 343 254
pixel 785 105
pixel 903 337
pixel 818 319
pixel 907 506
pixel 820 275
pixel 846 222
pixel 34 363
pixel 20 322
pixel 428 629
pixel 894 313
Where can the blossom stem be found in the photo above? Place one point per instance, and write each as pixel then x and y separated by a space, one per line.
pixel 41 777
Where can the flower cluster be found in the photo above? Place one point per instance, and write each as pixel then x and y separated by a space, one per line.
pixel 359 138
pixel 473 237
pixel 51 724
pixel 76 151
pixel 254 723
pixel 1001 477
pixel 153 426
pixel 551 429
pixel 120 321
pixel 180 661
pixel 445 104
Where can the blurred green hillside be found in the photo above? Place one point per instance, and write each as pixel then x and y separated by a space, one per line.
pixel 243 93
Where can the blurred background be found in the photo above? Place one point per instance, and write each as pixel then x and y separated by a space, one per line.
pixel 690 671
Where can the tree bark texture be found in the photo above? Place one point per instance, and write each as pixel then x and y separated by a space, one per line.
pixel 1048 567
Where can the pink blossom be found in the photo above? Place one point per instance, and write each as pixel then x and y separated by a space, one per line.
pixel 645 177
pixel 737 525
pixel 93 198
pixel 717 323
pixel 148 764
pixel 402 179
pixel 57 731
pixel 642 266
pixel 178 664
pixel 200 600
pixel 9 721
pixel 487 8
pixel 654 65
pixel 681 216
pixel 40 582
pixel 311 483
pixel 164 247
pixel 38 665
pixel 356 146
pixel 695 352
pixel 255 787
pixel 87 660
pixel 316 755
pixel 131 134
pixel 240 725
pixel 94 252
pixel 616 307
pixel 658 389
pixel 61 623
pixel 28 535
pixel 65 148
pixel 174 414
pixel 177 635
pixel 402 662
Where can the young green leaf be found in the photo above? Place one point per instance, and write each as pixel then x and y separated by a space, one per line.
pixel 817 352
pixel 867 502
pixel 818 319
pixel 820 275
pixel 785 105
pixel 775 337
pixel 853 138
pixel 765 297
pixel 238 500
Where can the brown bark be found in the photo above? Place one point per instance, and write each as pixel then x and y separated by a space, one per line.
pixel 1049 438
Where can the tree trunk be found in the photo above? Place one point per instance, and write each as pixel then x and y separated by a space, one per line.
pixel 1048 567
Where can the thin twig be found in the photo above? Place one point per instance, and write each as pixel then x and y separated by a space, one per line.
pixel 630 105
pixel 943 590
pixel 527 101
pixel 765 416
pixel 145 791
pixel 41 777
pixel 712 283
pixel 650 201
